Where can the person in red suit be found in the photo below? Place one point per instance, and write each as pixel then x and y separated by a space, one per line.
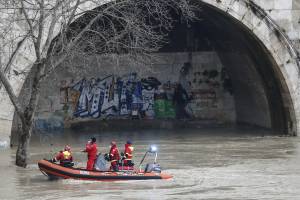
pixel 128 154
pixel 64 157
pixel 91 150
pixel 114 156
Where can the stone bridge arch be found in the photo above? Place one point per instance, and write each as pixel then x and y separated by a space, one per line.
pixel 246 12
pixel 277 43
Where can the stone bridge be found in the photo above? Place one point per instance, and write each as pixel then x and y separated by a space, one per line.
pixel 270 30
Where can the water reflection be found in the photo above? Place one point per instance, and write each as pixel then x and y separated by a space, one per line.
pixel 206 164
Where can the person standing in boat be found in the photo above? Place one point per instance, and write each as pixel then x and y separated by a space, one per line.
pixel 128 154
pixel 91 150
pixel 64 157
pixel 114 156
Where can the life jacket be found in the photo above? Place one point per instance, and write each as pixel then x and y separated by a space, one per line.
pixel 64 157
pixel 114 154
pixel 128 151
pixel 67 155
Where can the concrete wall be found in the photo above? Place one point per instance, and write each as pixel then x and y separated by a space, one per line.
pixel 250 97
pixel 277 28
pixel 204 83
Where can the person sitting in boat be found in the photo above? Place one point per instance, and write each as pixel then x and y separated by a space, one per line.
pixel 128 153
pixel 114 157
pixel 92 151
pixel 64 157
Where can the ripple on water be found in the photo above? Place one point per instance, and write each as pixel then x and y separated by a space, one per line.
pixel 220 166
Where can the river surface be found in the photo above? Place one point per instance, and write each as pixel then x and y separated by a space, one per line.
pixel 206 164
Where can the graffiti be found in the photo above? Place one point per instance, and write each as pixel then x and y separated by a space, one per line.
pixel 204 94
pixel 227 85
pixel 128 96
pixel 149 86
pixel 208 87
pixel 54 123
pixel 206 79
pixel 113 96
pixel 198 89
pixel 64 92
pixel 148 103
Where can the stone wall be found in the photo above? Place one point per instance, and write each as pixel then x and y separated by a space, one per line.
pixel 281 38
pixel 250 97
pixel 73 92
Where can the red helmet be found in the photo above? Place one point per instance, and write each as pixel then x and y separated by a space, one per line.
pixel 67 148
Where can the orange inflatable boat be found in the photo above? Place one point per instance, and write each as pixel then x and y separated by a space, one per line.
pixel 54 171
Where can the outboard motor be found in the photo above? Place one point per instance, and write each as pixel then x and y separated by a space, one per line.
pixel 153 167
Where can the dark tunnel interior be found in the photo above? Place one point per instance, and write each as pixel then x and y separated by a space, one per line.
pixel 256 84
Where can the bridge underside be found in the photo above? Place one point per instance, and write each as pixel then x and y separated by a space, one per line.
pixel 213 71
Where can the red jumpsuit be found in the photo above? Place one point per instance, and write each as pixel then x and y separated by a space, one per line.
pixel 91 149
pixel 64 156
pixel 128 154
pixel 114 157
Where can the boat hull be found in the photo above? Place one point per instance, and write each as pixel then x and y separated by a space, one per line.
pixel 54 171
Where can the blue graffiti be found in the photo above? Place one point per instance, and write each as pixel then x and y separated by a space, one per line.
pixel 116 96
pixel 49 124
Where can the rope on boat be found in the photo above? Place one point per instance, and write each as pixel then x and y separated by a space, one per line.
pixel 45 173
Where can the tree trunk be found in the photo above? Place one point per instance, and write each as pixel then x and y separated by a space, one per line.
pixel 28 116
pixel 22 151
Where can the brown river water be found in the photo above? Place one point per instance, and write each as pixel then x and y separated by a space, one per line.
pixel 219 163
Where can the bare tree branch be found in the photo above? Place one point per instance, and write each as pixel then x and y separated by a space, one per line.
pixel 11 94
pixel 136 28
